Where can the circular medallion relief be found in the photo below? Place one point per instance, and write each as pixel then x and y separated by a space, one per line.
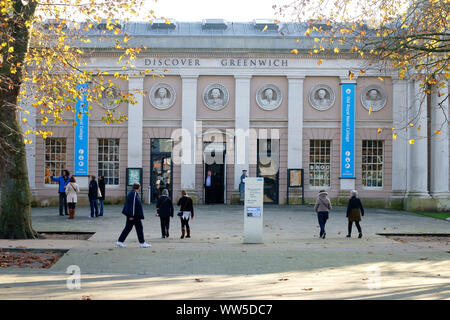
pixel 110 98
pixel 162 96
pixel 373 97
pixel 216 96
pixel 321 97
pixel 269 97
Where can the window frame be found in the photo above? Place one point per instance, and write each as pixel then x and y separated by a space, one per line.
pixel 99 162
pixel 383 144
pixel 310 186
pixel 53 184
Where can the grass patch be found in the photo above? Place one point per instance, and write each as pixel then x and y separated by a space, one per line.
pixel 436 215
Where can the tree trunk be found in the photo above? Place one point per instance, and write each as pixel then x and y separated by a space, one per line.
pixel 15 195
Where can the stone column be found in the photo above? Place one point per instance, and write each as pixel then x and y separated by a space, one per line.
pixel 30 149
pixel 242 125
pixel 399 145
pixel 295 122
pixel 188 123
pixel 135 123
pixel 417 152
pixel 439 170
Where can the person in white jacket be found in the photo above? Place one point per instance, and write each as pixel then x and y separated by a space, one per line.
pixel 71 192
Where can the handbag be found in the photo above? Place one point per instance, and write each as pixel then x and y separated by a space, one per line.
pixel 99 193
pixel 180 213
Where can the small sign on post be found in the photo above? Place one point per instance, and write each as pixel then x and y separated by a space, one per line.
pixel 253 210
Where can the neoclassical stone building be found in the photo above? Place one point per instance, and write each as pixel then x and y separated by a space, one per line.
pixel 239 97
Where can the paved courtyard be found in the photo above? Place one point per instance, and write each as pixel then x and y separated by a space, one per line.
pixel 293 262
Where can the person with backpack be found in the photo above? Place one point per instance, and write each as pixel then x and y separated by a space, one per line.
pixel 71 191
pixel 322 208
pixel 354 212
pixel 164 207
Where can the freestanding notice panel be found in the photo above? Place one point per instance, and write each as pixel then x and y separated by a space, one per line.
pixel 253 210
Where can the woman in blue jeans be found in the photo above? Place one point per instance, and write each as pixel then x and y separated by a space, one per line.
pixel 322 207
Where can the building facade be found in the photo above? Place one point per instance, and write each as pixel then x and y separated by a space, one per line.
pixel 233 97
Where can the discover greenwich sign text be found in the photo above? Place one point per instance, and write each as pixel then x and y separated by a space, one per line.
pixel 228 62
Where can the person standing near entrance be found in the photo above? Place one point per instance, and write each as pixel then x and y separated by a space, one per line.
pixel 62 180
pixel 186 212
pixel 242 186
pixel 354 212
pixel 135 214
pixel 209 185
pixel 164 206
pixel 102 187
pixel 71 191
pixel 93 196
pixel 322 207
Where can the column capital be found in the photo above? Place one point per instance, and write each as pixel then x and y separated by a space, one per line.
pixel 295 77
pixel 189 76
pixel 243 76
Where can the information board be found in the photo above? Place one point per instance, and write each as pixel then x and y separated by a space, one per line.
pixel 253 210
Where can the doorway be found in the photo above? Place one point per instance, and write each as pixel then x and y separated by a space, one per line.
pixel 268 168
pixel 160 167
pixel 214 172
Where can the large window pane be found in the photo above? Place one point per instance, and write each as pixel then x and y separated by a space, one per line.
pixel 54 158
pixel 319 163
pixel 372 164
pixel 109 160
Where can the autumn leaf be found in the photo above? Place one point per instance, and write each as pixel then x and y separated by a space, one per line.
pixel 370 110
pixel 351 75
pixel 394 136
pixel 379 130
pixel 438 131
pixel 307 289
pixel 411 141
pixel 265 28
pixel 319 62
pixel 294 51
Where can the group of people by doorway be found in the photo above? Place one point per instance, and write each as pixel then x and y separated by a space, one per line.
pixel 165 211
pixel 354 212
pixel 68 191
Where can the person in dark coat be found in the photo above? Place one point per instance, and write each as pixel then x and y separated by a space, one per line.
pixel 354 212
pixel 186 212
pixel 209 188
pixel 135 214
pixel 102 187
pixel 63 181
pixel 164 206
pixel 93 196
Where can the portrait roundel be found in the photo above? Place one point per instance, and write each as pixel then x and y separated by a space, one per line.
pixel 110 98
pixel 373 96
pixel 216 96
pixel 162 96
pixel 321 97
pixel 269 97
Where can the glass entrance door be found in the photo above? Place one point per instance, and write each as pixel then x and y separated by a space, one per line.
pixel 268 168
pixel 161 167
pixel 214 172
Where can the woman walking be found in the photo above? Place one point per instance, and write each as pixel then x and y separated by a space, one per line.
pixel 165 212
pixel 71 191
pixel 186 212
pixel 354 212
pixel 322 207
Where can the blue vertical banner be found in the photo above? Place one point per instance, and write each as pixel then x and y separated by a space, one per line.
pixel 81 155
pixel 348 131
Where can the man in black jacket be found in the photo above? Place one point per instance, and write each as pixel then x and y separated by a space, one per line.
pixel 134 213
pixel 93 195
pixel 187 211
pixel 165 212
pixel 101 186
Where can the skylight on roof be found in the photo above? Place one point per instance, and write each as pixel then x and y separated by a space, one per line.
pixel 214 24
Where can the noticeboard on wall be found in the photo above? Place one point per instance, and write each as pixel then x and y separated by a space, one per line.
pixel 133 175
pixel 295 181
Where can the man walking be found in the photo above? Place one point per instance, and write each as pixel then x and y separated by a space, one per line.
pixel 135 214
pixel 164 206
pixel 63 180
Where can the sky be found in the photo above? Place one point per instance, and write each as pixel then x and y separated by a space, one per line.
pixel 230 10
